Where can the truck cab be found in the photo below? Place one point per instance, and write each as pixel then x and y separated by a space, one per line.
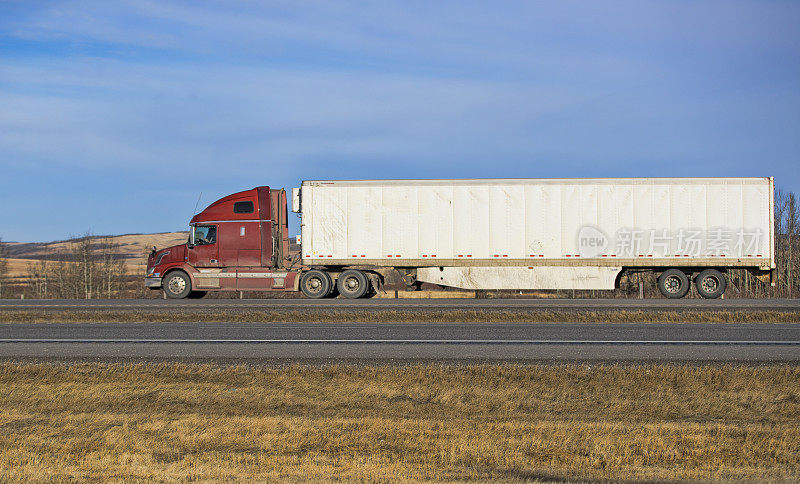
pixel 240 242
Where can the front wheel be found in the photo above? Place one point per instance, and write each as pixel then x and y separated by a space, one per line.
pixel 711 283
pixel 673 284
pixel 177 285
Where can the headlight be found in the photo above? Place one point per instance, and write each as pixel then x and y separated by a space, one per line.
pixel 151 271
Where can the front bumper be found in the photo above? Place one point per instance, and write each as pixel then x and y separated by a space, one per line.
pixel 152 282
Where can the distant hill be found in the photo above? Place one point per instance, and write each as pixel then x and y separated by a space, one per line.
pixel 133 248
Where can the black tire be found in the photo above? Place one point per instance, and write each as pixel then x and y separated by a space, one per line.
pixel 352 284
pixel 177 285
pixel 673 284
pixel 316 284
pixel 710 283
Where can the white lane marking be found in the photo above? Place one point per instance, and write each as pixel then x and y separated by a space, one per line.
pixel 408 341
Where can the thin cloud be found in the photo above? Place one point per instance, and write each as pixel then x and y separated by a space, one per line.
pixel 132 102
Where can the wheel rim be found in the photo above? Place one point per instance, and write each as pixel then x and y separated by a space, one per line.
pixel 709 284
pixel 673 284
pixel 314 285
pixel 351 284
pixel 176 285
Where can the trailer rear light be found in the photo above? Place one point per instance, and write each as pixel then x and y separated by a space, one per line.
pixel 469 255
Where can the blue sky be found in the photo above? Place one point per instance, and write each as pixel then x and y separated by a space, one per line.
pixel 115 116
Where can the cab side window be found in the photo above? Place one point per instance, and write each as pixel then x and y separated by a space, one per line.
pixel 205 235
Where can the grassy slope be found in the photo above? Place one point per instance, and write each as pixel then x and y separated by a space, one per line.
pixel 132 247
pixel 399 423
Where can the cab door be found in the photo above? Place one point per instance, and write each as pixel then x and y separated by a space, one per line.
pixel 203 249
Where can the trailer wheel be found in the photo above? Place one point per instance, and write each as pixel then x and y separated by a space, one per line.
pixel 711 283
pixel 315 284
pixel 352 284
pixel 177 285
pixel 673 283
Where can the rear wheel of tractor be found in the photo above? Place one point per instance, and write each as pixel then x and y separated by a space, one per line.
pixel 352 284
pixel 673 283
pixel 177 285
pixel 711 283
pixel 315 284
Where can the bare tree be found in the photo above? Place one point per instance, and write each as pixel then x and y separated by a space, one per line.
pixel 61 278
pixel 781 242
pixel 91 268
pixel 3 266
pixel 792 231
pixel 112 268
pixel 40 277
pixel 84 267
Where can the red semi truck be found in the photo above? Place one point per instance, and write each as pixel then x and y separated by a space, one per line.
pixel 476 234
pixel 239 243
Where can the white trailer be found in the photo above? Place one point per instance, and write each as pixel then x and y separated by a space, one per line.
pixel 541 233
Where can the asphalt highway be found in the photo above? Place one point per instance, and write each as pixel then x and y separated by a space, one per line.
pixel 462 342
pixel 530 304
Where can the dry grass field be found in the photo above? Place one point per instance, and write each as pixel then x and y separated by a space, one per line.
pixel 513 423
